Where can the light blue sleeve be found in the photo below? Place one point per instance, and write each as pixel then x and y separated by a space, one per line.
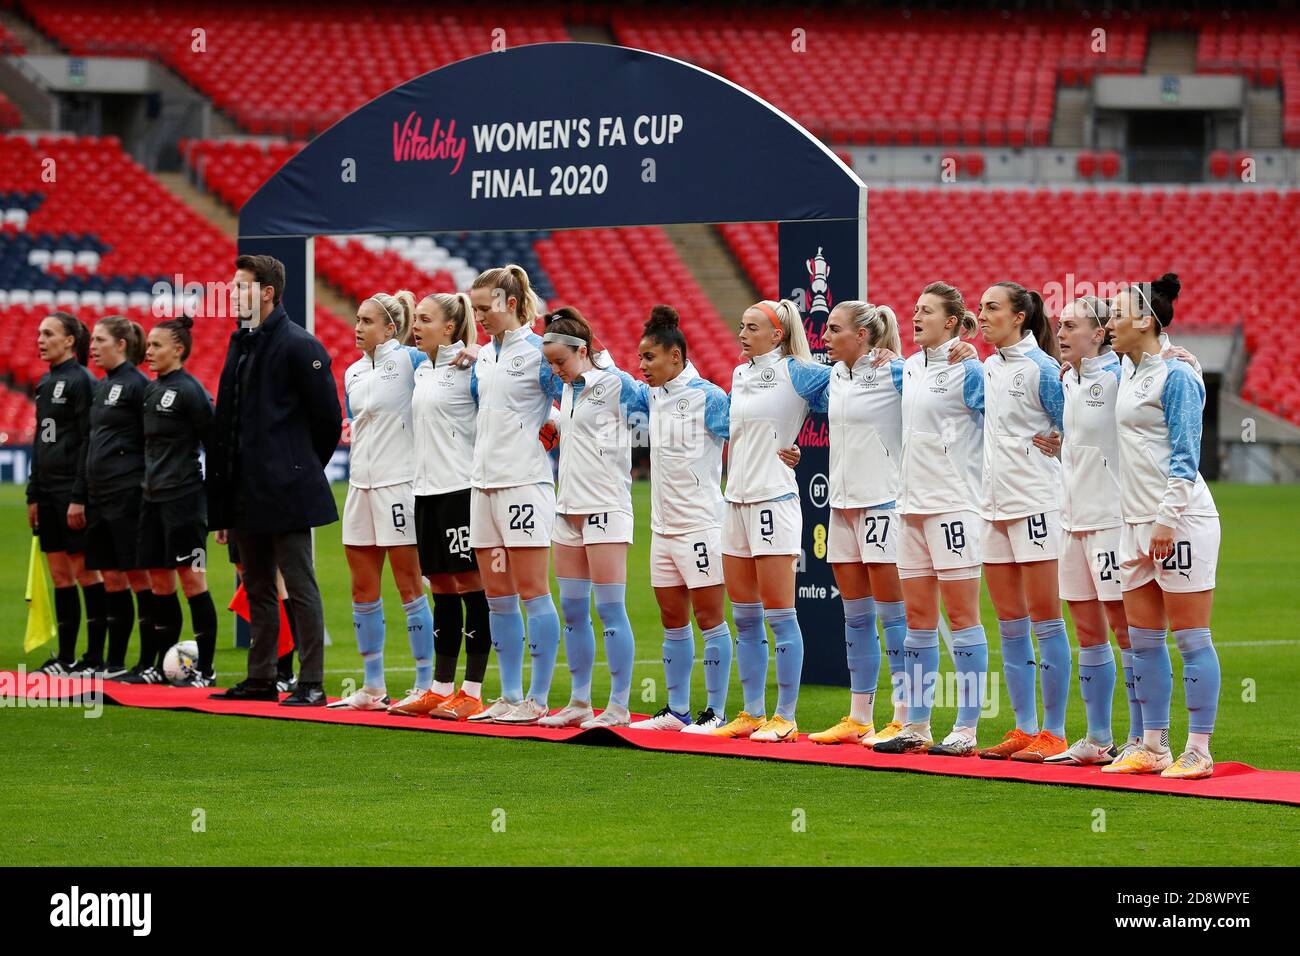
pixel 812 383
pixel 416 356
pixel 973 387
pixel 1183 399
pixel 473 382
pixel 717 410
pixel 1051 392
pixel 347 404
pixel 896 367
pixel 634 396
pixel 550 382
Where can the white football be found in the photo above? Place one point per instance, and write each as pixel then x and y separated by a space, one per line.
pixel 181 661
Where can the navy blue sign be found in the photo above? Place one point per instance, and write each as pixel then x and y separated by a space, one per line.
pixel 555 135
pixel 821 263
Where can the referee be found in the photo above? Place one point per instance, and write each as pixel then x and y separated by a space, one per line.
pixel 277 425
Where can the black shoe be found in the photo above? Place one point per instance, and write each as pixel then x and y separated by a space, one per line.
pixel 249 689
pixel 115 671
pixel 148 675
pixel 54 667
pixel 307 694
pixel 86 667
pixel 286 683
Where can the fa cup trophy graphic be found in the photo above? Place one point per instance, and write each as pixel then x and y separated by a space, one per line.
pixel 818 272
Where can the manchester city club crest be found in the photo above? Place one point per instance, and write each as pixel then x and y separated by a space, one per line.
pixel 941 378
pixel 1095 391
pixel 1019 380
pixel 768 374
pixel 168 398
pixel 517 362
pixel 683 404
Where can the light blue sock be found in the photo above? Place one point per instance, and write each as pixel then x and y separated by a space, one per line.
pixel 1153 675
pixel 893 621
pixel 419 632
pixel 620 645
pixel 789 658
pixel 368 619
pixel 717 666
pixel 679 659
pixel 921 651
pixel 861 645
pixel 507 627
pixel 1130 691
pixel 543 645
pixel 1097 687
pixel 970 654
pixel 1054 661
pixel 751 656
pixel 1200 677
pixel 579 635
pixel 1020 671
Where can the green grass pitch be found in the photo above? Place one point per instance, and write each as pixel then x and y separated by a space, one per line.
pixel 128 787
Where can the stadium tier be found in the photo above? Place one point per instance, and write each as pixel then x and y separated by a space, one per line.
pixel 85 228
pixel 298 72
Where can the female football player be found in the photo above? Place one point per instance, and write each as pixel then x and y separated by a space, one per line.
pixel 56 486
pixel 939 553
pixel 593 524
pixel 512 497
pixel 114 473
pixel 379 513
pixel 445 418
pixel 173 535
pixel 1169 542
pixel 771 394
pixel 866 426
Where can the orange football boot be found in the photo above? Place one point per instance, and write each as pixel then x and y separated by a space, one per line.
pixel 1014 741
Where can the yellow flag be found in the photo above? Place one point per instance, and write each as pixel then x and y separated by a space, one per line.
pixel 40 615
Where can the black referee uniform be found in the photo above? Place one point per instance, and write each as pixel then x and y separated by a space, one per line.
pixel 63 397
pixel 173 516
pixel 114 475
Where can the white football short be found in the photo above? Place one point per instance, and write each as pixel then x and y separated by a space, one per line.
pixel 518 517
pixel 946 546
pixel 1023 540
pixel 606 527
pixel 763 528
pixel 380 517
pixel 1190 567
pixel 1088 568
pixel 693 560
pixel 863 536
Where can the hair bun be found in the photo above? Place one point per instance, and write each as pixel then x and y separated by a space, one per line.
pixel 663 317
pixel 185 321
pixel 1168 286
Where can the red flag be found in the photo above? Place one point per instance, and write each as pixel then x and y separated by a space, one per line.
pixel 239 604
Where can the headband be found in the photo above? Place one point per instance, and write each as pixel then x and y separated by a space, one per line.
pixel 387 312
pixel 771 314
pixel 1150 309
pixel 563 339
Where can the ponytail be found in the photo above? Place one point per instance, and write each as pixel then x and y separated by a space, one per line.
pixel 458 309
pixel 953 307
pixel 879 321
pixel 400 310
pixel 512 281
pixel 131 333
pixel 794 339
pixel 1036 321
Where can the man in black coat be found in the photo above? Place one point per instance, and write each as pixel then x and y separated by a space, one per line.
pixel 277 424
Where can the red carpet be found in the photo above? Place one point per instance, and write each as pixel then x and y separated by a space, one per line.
pixel 1231 781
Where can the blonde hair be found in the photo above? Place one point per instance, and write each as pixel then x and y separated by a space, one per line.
pixel 953 306
pixel 879 320
pixel 512 280
pixel 399 307
pixel 458 309
pixel 794 340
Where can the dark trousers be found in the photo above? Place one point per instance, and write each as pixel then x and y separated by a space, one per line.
pixel 290 552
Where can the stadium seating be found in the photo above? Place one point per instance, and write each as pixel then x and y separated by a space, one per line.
pixel 10 118
pixel 291 68
pixel 1046 238
pixel 1265 47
